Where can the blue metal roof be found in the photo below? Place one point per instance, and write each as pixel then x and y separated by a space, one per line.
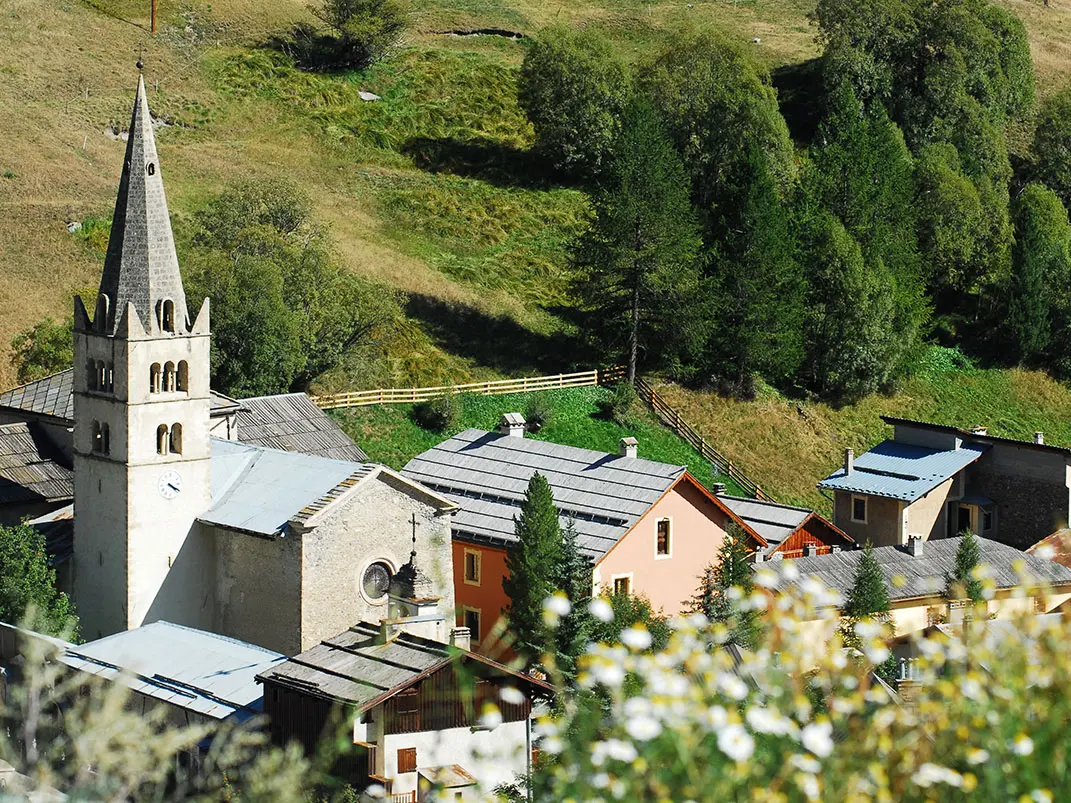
pixel 259 490
pixel 203 672
pixel 902 471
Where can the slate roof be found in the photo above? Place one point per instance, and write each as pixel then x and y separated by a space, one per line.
pixel 58 529
pixel 924 575
pixel 203 672
pixel 354 668
pixel 291 422
pixel 31 468
pixel 54 396
pixel 773 521
pixel 902 471
pixel 487 474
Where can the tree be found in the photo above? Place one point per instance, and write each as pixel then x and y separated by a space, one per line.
pixel 715 598
pixel 631 610
pixel 1052 144
pixel 574 580
pixel 27 580
pixel 364 30
pixel 868 597
pixel 636 265
pixel 1042 271
pixel 573 87
pixel 533 563
pixel 962 583
pixel 43 349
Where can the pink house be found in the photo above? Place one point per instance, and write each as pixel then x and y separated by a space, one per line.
pixel 649 528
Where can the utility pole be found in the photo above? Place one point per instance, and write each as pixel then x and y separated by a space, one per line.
pixel 153 23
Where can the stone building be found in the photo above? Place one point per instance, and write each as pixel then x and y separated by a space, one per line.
pixel 276 548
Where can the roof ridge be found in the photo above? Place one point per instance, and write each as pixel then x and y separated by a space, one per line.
pixel 499 436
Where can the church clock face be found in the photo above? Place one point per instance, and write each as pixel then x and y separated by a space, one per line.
pixel 170 484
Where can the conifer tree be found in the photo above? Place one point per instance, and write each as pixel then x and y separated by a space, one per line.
pixel 636 266
pixel 715 601
pixel 962 583
pixel 869 596
pixel 533 562
pixel 574 580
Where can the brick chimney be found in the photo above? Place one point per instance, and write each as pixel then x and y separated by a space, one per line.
pixel 628 447
pixel 914 545
pixel 461 637
pixel 512 424
pixel 1039 438
pixel 849 461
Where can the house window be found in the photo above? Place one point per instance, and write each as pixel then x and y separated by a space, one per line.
pixel 623 585
pixel 407 759
pixel 472 567
pixel 859 509
pixel 987 520
pixel 472 622
pixel 662 543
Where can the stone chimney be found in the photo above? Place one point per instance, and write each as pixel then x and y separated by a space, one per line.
pixel 461 637
pixel 512 424
pixel 757 556
pixel 718 489
pixel 833 550
pixel 980 430
pixel 809 550
pixel 387 631
pixel 849 461
pixel 629 447
pixel 1039 438
pixel 914 545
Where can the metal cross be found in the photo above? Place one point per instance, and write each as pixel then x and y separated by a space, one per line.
pixel 141 56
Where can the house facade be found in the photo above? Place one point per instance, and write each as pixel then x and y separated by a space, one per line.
pixel 934 481
pixel 647 527
pixel 423 715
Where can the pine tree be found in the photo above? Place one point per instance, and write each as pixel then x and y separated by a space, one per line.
pixel 574 580
pixel 962 582
pixel 869 596
pixel 533 562
pixel 706 596
pixel 636 266
pixel 713 598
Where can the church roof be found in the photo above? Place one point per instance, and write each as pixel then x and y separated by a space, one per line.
pixel 31 469
pixel 291 422
pixel 141 266
pixel 58 529
pixel 53 396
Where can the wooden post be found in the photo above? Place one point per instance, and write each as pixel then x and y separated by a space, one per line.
pixel 153 24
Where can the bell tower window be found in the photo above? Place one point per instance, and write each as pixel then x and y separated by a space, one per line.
pixel 175 441
pixel 167 315
pixel 91 375
pixel 161 439
pixel 100 315
pixel 169 377
pixel 183 377
pixel 101 438
pixel 154 378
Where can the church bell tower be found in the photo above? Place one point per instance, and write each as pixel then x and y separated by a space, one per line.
pixel 142 455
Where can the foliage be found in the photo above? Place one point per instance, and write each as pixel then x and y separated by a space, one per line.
pixel 573 86
pixel 573 632
pixel 28 584
pixel 1037 292
pixel 283 311
pixel 364 31
pixel 631 611
pixel 722 588
pixel 437 415
pixel 868 596
pixel 619 405
pixel 1052 144
pixel 538 412
pixel 636 265
pixel 43 349
pixel 533 563
pixel 963 583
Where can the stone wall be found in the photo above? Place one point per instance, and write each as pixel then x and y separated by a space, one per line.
pixel 1028 509
pixel 883 524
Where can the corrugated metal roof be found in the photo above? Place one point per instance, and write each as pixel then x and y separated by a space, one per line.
pixel 291 422
pixel 487 474
pixel 974 436
pixel 54 396
pixel 199 671
pixel 259 490
pixel 58 529
pixel 902 471
pixel 925 574
pixel 773 521
pixel 30 467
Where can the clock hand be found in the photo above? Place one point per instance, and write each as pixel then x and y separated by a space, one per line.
pixel 172 487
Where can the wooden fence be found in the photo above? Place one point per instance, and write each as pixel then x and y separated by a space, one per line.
pixel 671 417
pixel 362 398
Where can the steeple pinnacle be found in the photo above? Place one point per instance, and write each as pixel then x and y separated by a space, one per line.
pixel 141 267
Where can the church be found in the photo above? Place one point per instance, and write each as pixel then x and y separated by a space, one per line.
pixel 177 519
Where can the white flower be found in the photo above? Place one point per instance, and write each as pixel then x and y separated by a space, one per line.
pixel 511 695
pixel 733 687
pixel 929 774
pixel 977 756
pixel 1045 552
pixel 1023 745
pixel 766 720
pixel 736 742
pixel 818 738
pixel 601 609
pixel 805 764
pixel 375 790
pixel 1041 796
pixel 643 728
pixel 876 653
pixel 971 689
pixel 600 780
pixel 809 785
pixel 555 607
pixel 790 572
pixel 620 750
pixel 552 745
pixel 636 637
pixel 766 578
pixel 868 629
pixel 717 717
pixel 491 717
pixel 608 674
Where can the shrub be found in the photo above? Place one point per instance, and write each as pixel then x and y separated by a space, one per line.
pixel 43 349
pixel 538 413
pixel 363 31
pixel 437 415
pixel 619 405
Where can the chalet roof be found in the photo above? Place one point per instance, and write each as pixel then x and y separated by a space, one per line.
pixel 487 474
pixel 31 468
pixel 774 521
pixel 202 672
pixel 53 397
pixel 357 668
pixel 902 471
pixel 925 575
pixel 291 422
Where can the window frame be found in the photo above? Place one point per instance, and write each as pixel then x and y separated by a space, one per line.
pixel 478 579
pixel 668 520
pixel 626 577
pixel 866 509
pixel 474 637
pixel 410 760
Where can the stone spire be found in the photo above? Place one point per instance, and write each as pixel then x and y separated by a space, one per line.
pixel 141 267
pixel 411 583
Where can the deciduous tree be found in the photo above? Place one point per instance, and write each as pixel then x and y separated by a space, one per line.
pixel 1052 144
pixel 45 348
pixel 28 584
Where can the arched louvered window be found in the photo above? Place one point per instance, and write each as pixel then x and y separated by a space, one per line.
pixel 105 439
pixel 161 439
pixel 91 375
pixel 169 377
pixel 183 377
pixel 167 322
pixel 154 378
pixel 175 442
